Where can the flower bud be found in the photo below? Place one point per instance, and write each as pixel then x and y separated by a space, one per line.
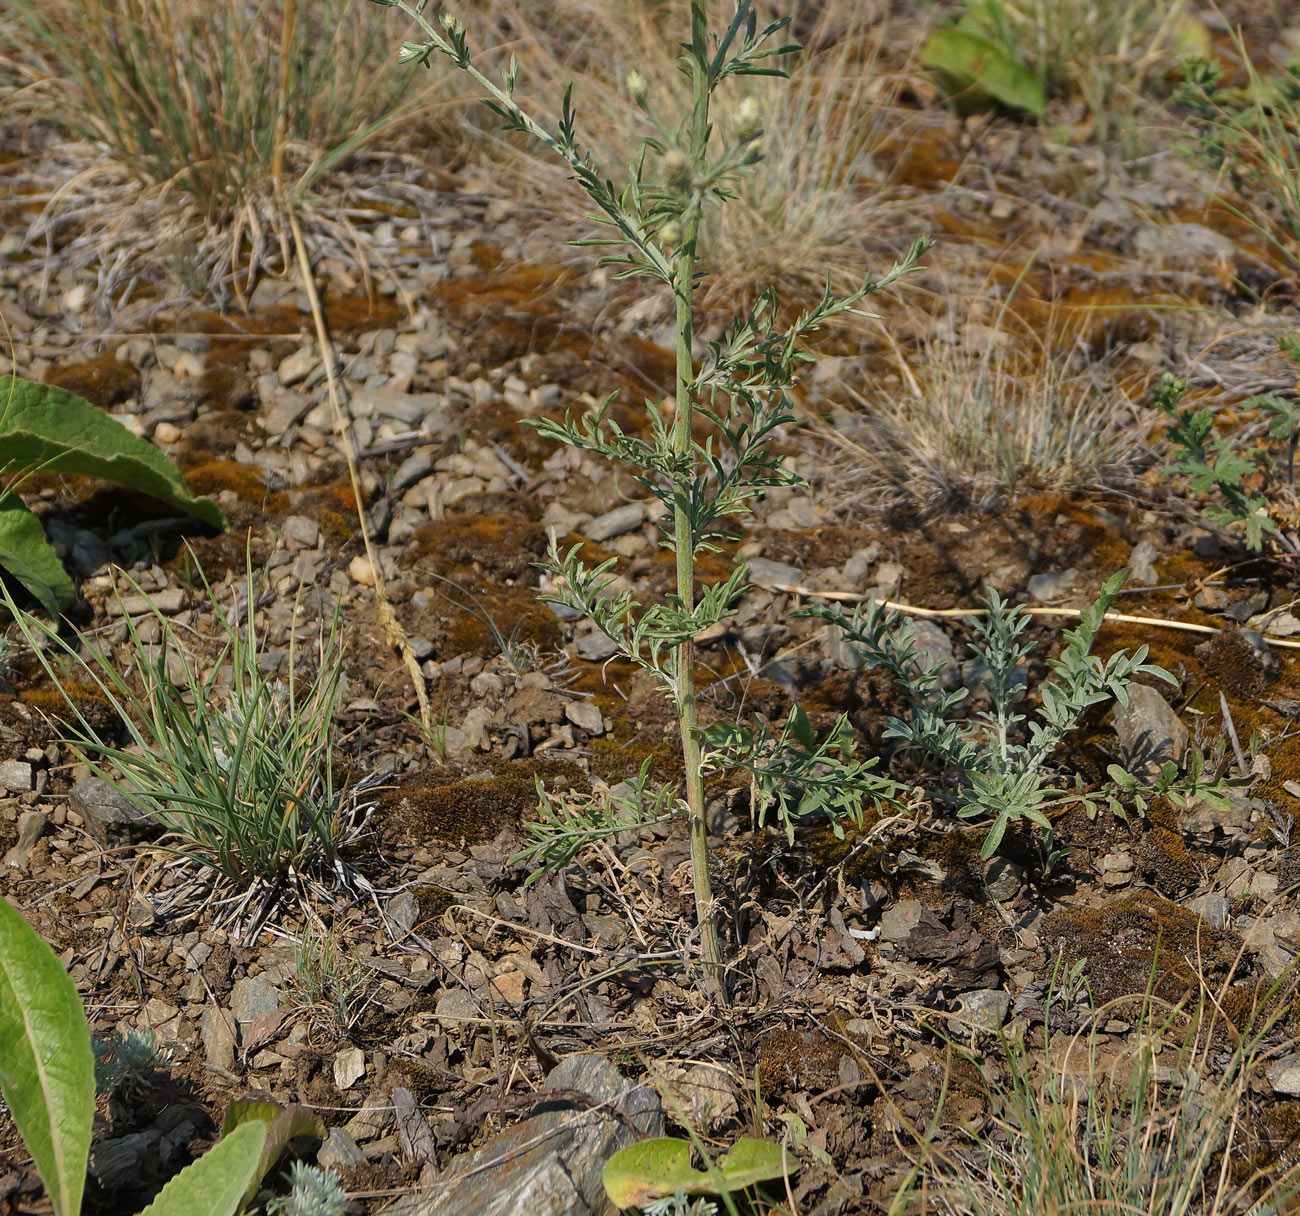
pixel 451 23
pixel 670 233
pixel 749 121
pixel 638 86
pixel 677 170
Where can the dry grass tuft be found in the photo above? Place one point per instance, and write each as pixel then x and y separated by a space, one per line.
pixel 974 416
pixel 186 118
pixel 1168 1124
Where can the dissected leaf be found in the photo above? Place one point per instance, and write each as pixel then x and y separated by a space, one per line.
pixel 216 1183
pixel 47 1068
pixel 651 1169
pixel 975 70
pixel 30 558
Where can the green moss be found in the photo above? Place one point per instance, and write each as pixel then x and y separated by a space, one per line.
pixel 1139 942
pixel 430 809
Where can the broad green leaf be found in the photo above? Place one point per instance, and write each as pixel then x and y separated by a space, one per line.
pixel 651 1169
pixel 29 557
pixel 974 69
pixel 51 429
pixel 282 1125
pixel 216 1183
pixel 47 1069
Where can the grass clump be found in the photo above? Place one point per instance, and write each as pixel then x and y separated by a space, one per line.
pixel 976 424
pixel 1167 1126
pixel 237 763
pixel 237 109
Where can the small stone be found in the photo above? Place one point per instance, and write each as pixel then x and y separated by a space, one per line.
pixel 773 575
pixel 404 911
pixel 1213 910
pixel 1052 586
pixel 216 1030
pixel 456 1008
pixel 1002 879
pixel 898 921
pixel 15 776
pixel 249 997
pixel 111 818
pixel 985 1007
pixel 296 366
pixel 1142 562
pixel 614 523
pixel 31 827
pixel 414 468
pixel 169 601
pixel 349 1067
pixel 361 571
pixel 585 716
pixel 1150 734
pixel 301 532
pixel 339 1152
pixel 596 647
pixel 167 432
pixel 1284 1075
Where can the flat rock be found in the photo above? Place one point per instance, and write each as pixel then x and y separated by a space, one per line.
pixel 898 920
pixel 1052 586
pixel 771 574
pixel 1150 733
pixel 1284 1075
pixel 15 776
pixel 110 817
pixel 616 522
pixel 251 996
pixel 551 1163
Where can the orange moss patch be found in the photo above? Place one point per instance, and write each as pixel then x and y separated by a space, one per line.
pixel 213 476
pixel 503 546
pixel 105 381
pixel 1163 858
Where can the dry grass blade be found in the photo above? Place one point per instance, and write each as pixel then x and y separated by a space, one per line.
pixel 1161 1127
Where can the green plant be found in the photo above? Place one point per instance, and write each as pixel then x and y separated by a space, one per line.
pixel 1022 53
pixel 660 1169
pixel 313 1192
pixel 129 1056
pixel 740 390
pixel 47 1078
pixel 327 978
pixel 1211 464
pixel 50 430
pixel 237 764
pixel 974 424
pixel 996 765
pixel 1163 1130
pixel 210 103
pixel 1251 136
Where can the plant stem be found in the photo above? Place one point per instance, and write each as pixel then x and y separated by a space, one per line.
pixel 683 532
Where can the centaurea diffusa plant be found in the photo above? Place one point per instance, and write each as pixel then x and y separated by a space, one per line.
pixel 741 387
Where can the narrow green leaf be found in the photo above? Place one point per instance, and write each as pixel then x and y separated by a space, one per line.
pixel 215 1184
pixel 52 429
pixel 29 557
pixel 47 1069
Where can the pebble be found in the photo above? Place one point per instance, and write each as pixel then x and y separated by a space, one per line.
pixel 614 523
pixel 296 366
pixel 772 574
pixel 1284 1075
pixel 349 1067
pixel 1052 586
pixel 15 776
pixel 585 716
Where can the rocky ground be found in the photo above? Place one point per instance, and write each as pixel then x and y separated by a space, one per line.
pixel 427 1011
